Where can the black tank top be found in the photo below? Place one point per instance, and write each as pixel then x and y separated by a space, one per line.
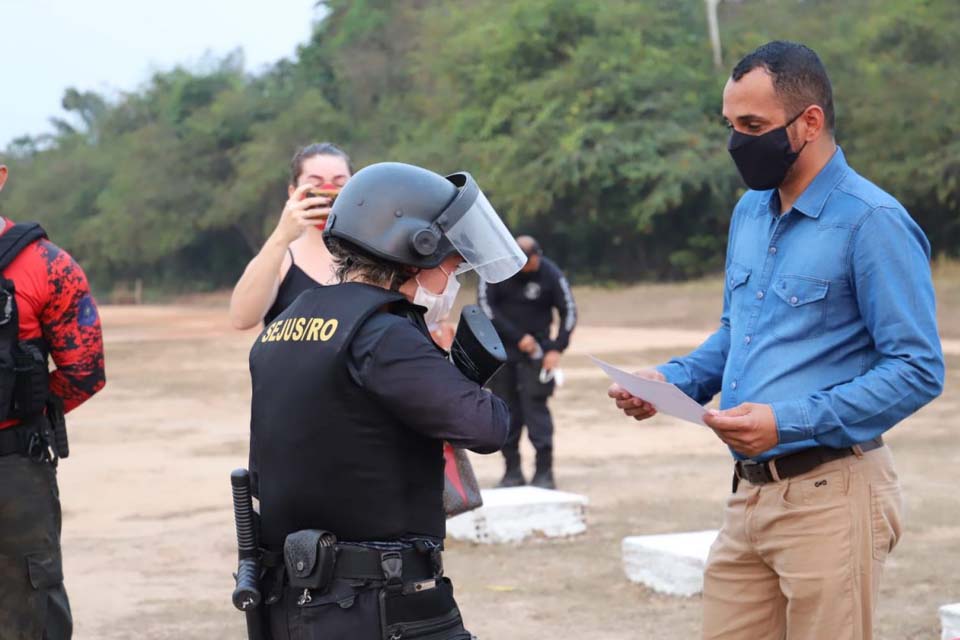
pixel 293 284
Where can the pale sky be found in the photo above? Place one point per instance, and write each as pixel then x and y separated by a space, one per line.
pixel 114 45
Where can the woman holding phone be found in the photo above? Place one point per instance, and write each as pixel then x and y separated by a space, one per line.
pixel 294 258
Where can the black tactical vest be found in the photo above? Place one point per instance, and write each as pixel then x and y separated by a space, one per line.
pixel 327 455
pixel 24 373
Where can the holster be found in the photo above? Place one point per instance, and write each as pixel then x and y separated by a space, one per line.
pixel 310 557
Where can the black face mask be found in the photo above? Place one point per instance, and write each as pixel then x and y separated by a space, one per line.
pixel 763 161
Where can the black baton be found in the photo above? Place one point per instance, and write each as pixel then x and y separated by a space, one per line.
pixel 246 597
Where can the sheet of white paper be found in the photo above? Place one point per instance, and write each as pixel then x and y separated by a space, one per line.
pixel 666 397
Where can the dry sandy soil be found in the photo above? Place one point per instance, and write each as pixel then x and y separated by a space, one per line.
pixel 148 531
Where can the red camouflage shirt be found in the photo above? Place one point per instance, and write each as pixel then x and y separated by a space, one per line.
pixel 54 303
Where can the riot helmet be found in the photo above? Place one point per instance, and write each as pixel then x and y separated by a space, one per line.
pixel 415 217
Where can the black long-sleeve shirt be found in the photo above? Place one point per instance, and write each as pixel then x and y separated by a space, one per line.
pixel 405 372
pixel 524 304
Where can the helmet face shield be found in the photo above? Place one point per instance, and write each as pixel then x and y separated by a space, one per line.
pixel 415 217
pixel 479 235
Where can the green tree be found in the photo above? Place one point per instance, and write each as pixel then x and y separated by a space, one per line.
pixel 595 126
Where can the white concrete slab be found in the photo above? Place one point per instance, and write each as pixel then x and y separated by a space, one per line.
pixel 668 563
pixel 950 621
pixel 512 515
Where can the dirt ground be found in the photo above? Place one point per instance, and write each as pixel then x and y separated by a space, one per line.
pixel 148 533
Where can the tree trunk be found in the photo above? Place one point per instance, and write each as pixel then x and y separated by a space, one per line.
pixel 714 28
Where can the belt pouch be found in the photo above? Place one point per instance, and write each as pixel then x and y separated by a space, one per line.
pixel 32 381
pixel 310 557
pixel 8 381
pixel 427 615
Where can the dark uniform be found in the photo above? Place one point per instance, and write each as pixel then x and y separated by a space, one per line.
pixel 293 284
pixel 351 404
pixel 522 305
pixel 45 310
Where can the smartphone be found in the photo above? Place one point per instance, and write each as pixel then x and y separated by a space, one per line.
pixel 324 193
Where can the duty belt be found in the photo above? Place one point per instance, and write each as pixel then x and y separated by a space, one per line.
pixel 357 563
pixel 794 464
pixel 25 439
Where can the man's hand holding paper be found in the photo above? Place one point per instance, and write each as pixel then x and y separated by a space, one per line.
pixel 642 395
pixel 749 428
pixel 635 407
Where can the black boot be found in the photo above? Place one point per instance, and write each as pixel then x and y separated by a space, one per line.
pixel 543 477
pixel 513 476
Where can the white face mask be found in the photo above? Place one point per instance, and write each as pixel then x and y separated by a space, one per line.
pixel 438 305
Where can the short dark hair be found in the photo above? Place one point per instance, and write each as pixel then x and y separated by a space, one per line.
pixel 799 77
pixel 529 246
pixel 349 261
pixel 315 149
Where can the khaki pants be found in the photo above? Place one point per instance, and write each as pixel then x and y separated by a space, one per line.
pixel 801 559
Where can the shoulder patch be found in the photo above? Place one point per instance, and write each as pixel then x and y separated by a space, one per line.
pixel 87 315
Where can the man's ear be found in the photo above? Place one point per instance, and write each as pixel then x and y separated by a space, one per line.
pixel 3 175
pixel 815 120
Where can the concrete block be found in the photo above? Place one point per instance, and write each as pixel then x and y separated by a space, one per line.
pixel 669 563
pixel 511 515
pixel 950 621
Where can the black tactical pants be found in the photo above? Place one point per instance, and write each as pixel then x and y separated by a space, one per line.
pixel 352 611
pixel 518 384
pixel 33 601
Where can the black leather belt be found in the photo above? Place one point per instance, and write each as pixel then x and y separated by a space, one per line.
pixel 794 464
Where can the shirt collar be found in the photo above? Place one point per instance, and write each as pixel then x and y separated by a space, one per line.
pixel 814 197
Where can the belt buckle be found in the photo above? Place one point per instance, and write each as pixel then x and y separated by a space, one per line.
pixel 754 472
pixel 391 563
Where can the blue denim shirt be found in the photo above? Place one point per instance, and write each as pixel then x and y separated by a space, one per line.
pixel 828 315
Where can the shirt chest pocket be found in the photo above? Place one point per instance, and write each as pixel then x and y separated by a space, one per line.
pixel 737 277
pixel 799 308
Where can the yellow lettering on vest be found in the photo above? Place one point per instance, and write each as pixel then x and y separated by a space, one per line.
pixel 287 329
pixel 329 328
pixel 268 335
pixel 266 332
pixel 275 334
pixel 313 331
pixel 299 325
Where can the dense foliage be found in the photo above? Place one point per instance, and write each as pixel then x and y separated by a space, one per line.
pixel 593 125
